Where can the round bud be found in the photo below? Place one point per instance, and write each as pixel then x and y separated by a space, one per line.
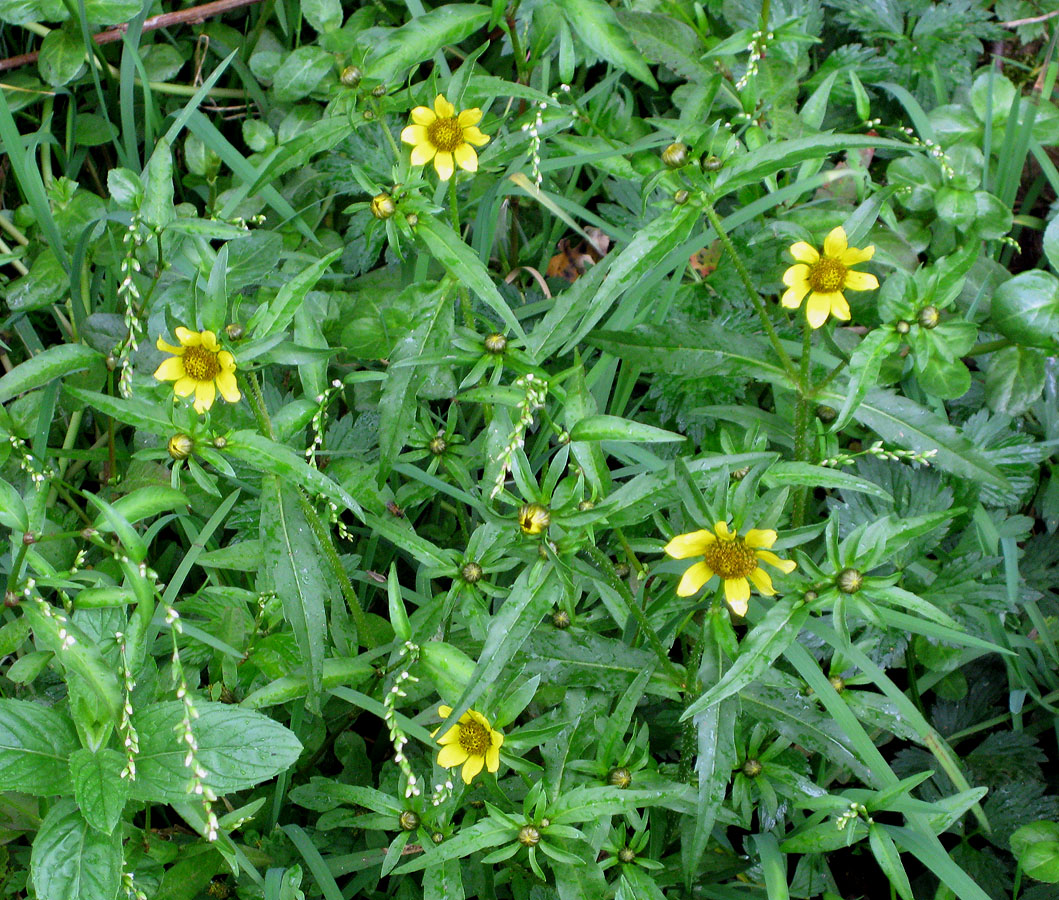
pixel 409 820
pixel 437 837
pixel 675 155
pixel 29 538
pixel 11 599
pixel 810 596
pixel 585 506
pixel 495 344
pixel 220 442
pixel 681 197
pixel 529 836
pixel 849 581
pixel 626 855
pixel 740 474
pixel 826 413
pixel 712 163
pixel 929 317
pixel 379 90
pixel 471 572
pixel 382 206
pixel 620 777
pixel 411 220
pixel 88 533
pixel 752 768
pixel 902 327
pixel 438 446
pixel 533 518
pixel 350 76
pixel 235 331
pixel 837 683
pixel 561 619
pixel 111 362
pixel 180 446
pixel 367 115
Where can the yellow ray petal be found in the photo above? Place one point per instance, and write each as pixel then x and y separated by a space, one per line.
pixel 443 165
pixel 784 565
pixel 804 253
pixel 449 737
pixel 466 158
pixel 839 307
pixel 492 759
pixel 722 531
pixel 444 711
pixel 797 275
pixel 414 134
pixel 472 767
pixel 760 579
pixel 187 337
pixel 452 755
pixel 226 361
pixel 835 243
pixel 760 537
pixel 496 738
pixel 185 386
pixel 424 115
pixel 443 108
pixel 209 341
pixel 852 256
pixel 171 370
pixel 228 387
pixel 169 348
pixel 694 578
pixel 817 308
pixel 861 281
pixel 737 593
pixel 469 117
pixel 205 394
pixel 423 153
pixel 793 296
pixel 475 716
pixel 693 543
pixel 473 136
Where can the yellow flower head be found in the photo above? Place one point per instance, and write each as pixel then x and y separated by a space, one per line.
pixel 471 742
pixel 533 518
pixel 735 559
pixel 199 366
pixel 824 278
pixel 439 134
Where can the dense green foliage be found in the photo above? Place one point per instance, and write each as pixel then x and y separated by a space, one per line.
pixel 304 439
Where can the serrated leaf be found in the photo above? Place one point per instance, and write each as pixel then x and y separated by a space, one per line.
pixel 666 40
pixel 597 25
pixel 1015 379
pixel 71 860
pixel 35 742
pixel 422 37
pixel 99 789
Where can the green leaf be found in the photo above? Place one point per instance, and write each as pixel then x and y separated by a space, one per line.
pixel 421 38
pixel 37 371
pixel 757 652
pixel 441 242
pixel 301 71
pixel 666 40
pixel 323 15
pixel 237 747
pixel 1051 243
pixel 889 860
pixel 278 314
pixel 615 428
pixel 336 673
pixel 132 411
pixel 46 283
pixel 1015 379
pixel 62 56
pixel 20 12
pixel 1036 846
pixel 71 860
pixel 99 789
pixel 1026 309
pixel 799 473
pixel 35 742
pixel 13 513
pixel 145 503
pixel 597 25
pixel 293 565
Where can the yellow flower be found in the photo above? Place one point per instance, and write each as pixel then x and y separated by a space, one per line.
pixel 471 742
pixel 824 278
pixel 533 518
pixel 439 134
pixel 199 366
pixel 735 559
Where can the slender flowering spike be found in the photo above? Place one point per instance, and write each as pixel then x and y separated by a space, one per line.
pixel 439 134
pixel 199 366
pixel 736 560
pixel 472 742
pixel 824 278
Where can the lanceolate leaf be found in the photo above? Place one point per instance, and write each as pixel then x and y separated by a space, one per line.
pixel 37 371
pixel 422 37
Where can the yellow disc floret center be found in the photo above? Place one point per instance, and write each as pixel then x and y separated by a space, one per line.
pixel 201 364
pixel 474 738
pixel 730 559
pixel 827 275
pixel 445 134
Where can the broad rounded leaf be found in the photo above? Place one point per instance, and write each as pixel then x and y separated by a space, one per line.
pixel 1051 243
pixel 71 860
pixel 237 747
pixel 1026 308
pixel 35 742
pixel 62 57
pixel 1015 379
pixel 99 789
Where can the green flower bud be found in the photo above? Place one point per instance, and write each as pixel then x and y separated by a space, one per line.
pixel 849 581
pixel 929 317
pixel 351 76
pixel 675 155
pixel 752 768
pixel 180 446
pixel 409 820
pixel 529 836
pixel 382 206
pixel 620 777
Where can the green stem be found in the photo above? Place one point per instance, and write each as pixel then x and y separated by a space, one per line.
pixel 802 419
pixel 828 378
pixel 454 215
pixel 689 730
pixel 606 570
pixel 752 293
pixel 516 45
pixel 381 119
pixel 257 405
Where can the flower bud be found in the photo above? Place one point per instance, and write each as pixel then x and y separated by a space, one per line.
pixel 220 442
pixel 902 327
pixel 529 836
pixel 495 344
pixel 620 777
pixel 810 596
pixel 411 220
pixel 350 76
pixel 235 331
pixel 752 768
pixel 437 837
pixel 826 414
pixel 837 683
pixel 681 197
pixel 561 619
pixel 533 518
pixel 438 445
pixel 740 474
pixel 379 90
pixel 11 599
pixel 929 317
pixel 367 115
pixel 626 855
pixel 675 155
pixel 712 163
pixel 382 206
pixel 471 572
pixel 409 820
pixel 180 446
pixel 29 538
pixel 585 506
pixel 849 581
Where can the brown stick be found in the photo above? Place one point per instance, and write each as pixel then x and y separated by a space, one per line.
pixel 184 16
